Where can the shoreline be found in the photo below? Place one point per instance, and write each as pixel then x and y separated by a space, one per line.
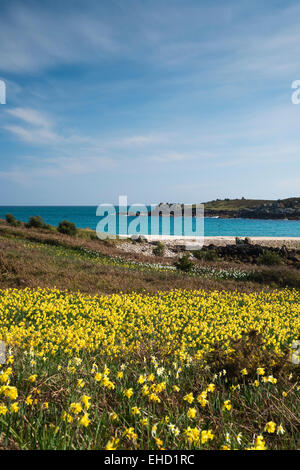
pixel 220 240
pixel 289 242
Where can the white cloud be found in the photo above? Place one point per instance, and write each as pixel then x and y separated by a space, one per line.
pixel 170 157
pixel 143 140
pixel 82 165
pixel 30 116
pixel 37 130
pixel 33 136
pixel 55 168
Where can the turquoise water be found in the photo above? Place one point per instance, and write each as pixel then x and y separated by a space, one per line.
pixel 85 216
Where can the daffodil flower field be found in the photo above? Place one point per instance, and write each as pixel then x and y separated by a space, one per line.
pixel 135 371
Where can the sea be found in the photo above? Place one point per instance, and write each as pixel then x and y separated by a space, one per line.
pixel 86 217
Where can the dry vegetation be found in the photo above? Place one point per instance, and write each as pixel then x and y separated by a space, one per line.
pixel 36 257
pixel 26 265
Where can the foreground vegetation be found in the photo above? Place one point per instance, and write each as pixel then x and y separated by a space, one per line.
pixel 170 371
pixel 115 350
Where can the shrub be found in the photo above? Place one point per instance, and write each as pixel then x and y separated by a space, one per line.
pixel 93 236
pixel 36 222
pixel 248 352
pixel 207 255
pixel 159 250
pixel 277 277
pixel 269 258
pixel 50 227
pixel 66 227
pixel 184 263
pixel 11 220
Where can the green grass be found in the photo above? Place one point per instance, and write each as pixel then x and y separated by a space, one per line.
pixel 234 204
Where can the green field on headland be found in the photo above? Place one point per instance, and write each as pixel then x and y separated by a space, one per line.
pixel 254 208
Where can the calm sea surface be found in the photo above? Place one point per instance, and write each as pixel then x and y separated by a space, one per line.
pixel 85 216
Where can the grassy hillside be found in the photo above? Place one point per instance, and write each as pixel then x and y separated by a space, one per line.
pixel 45 258
pixel 235 204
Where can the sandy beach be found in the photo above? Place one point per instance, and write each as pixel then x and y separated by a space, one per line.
pixel 290 242
pixel 193 243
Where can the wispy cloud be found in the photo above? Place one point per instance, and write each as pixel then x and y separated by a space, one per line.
pixel 170 157
pixel 34 170
pixel 142 140
pixel 36 38
pixel 33 136
pixel 30 116
pixel 177 157
pixel 38 128
pixel 198 90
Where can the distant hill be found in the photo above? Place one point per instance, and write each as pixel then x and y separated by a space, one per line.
pixel 241 208
pixel 254 208
pixel 235 204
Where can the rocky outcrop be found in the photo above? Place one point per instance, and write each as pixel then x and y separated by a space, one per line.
pixel 275 210
pixel 250 253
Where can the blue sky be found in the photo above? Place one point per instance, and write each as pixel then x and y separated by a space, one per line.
pixel 175 100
